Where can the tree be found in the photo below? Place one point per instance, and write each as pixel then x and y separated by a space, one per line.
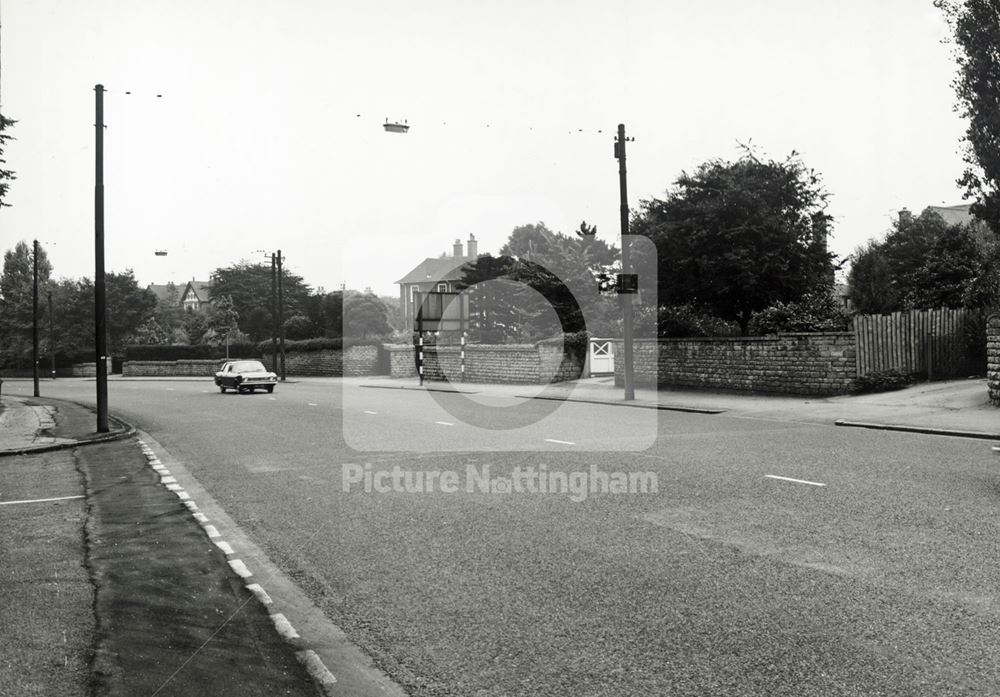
pixel 299 327
pixel 976 28
pixel 6 175
pixel 365 316
pixel 169 313
pixel 735 237
pixel 249 286
pixel 221 318
pixel 16 298
pixel 870 288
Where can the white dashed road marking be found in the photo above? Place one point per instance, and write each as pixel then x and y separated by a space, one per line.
pixel 312 404
pixel 444 423
pixel 58 498
pixel 561 442
pixel 797 481
pixel 371 412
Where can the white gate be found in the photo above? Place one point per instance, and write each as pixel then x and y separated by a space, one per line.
pixel 602 357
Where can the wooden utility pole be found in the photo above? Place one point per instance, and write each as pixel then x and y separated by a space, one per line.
pixel 625 298
pixel 34 315
pixel 100 297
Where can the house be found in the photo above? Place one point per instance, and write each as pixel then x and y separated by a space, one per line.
pixel 194 296
pixel 439 275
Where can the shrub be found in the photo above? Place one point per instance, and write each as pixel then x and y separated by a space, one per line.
pixel 680 321
pixel 574 344
pixel 883 381
pixel 318 344
pixel 819 311
pixel 188 352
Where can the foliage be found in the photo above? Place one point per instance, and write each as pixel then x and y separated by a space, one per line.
pixel 249 286
pixel 150 333
pixel 6 175
pixel 299 327
pixel 221 318
pixel 922 263
pixel 882 381
pixel 736 237
pixel 817 311
pixel 16 298
pixel 869 286
pixel 195 326
pixel 678 321
pixel 976 27
pixel 319 344
pixel 984 290
pixel 540 277
pixel 365 316
pixel 189 352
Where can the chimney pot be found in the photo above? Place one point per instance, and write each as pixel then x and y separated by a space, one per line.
pixel 473 246
pixel 457 248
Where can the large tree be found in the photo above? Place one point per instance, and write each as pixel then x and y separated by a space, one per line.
pixel 16 298
pixel 976 27
pixel 249 286
pixel 365 316
pixel 922 263
pixel 735 237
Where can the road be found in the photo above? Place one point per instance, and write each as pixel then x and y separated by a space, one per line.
pixel 774 558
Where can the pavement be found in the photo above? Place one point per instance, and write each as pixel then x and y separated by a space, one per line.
pixel 949 408
pixel 112 582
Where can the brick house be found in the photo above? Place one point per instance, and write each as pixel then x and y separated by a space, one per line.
pixel 435 275
pixel 194 296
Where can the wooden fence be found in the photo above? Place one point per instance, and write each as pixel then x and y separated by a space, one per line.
pixel 932 342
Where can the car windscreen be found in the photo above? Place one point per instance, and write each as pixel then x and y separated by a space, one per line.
pixel 249 367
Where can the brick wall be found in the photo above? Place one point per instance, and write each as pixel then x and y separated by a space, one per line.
pixel 354 361
pixel 993 358
pixel 183 368
pixel 797 363
pixel 488 363
pixel 86 370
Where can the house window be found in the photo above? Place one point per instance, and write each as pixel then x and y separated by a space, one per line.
pixel 442 288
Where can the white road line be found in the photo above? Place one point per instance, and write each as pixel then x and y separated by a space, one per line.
pixel 212 532
pixel 444 423
pixel 58 498
pixel 170 389
pixel 371 412
pixel 261 594
pixel 240 568
pixel 561 442
pixel 797 481
pixel 224 546
pixel 283 626
pixel 315 667
pixel 312 404
pixel 272 398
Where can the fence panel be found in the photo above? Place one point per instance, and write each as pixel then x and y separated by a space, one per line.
pixel 917 341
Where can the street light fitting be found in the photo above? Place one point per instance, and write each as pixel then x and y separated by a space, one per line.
pixel 396 127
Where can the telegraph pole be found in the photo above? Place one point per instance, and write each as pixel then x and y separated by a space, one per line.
pixel 52 340
pixel 281 316
pixel 100 298
pixel 274 312
pixel 626 298
pixel 34 315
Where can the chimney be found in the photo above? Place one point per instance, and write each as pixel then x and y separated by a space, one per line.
pixel 457 249
pixel 473 246
pixel 905 217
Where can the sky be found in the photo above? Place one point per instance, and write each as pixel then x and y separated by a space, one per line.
pixel 268 134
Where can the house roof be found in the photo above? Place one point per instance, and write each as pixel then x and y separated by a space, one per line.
pixel 162 291
pixel 954 215
pixel 434 270
pixel 202 290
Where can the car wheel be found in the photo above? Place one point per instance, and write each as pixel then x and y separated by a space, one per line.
pixel 270 389
pixel 252 390
pixel 222 389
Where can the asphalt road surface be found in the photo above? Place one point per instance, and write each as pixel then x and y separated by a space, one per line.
pixel 773 558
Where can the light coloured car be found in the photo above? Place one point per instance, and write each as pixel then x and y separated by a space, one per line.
pixel 245 376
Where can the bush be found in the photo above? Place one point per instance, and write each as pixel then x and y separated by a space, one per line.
pixel 188 352
pixel 819 311
pixel 574 344
pixel 883 381
pixel 681 321
pixel 319 344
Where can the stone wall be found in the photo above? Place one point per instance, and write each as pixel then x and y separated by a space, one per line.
pixel 182 368
pixel 87 370
pixel 993 358
pixel 796 363
pixel 351 362
pixel 488 363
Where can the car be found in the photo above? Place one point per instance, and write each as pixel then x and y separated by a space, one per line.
pixel 244 376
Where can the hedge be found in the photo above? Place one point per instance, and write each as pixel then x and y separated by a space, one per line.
pixel 320 344
pixel 140 352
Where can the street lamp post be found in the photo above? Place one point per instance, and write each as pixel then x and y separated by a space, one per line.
pixel 281 316
pixel 100 297
pixel 52 339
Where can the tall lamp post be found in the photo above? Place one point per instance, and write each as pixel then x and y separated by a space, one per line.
pixel 34 315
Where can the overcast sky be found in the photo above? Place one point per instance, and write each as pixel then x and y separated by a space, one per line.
pixel 269 131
